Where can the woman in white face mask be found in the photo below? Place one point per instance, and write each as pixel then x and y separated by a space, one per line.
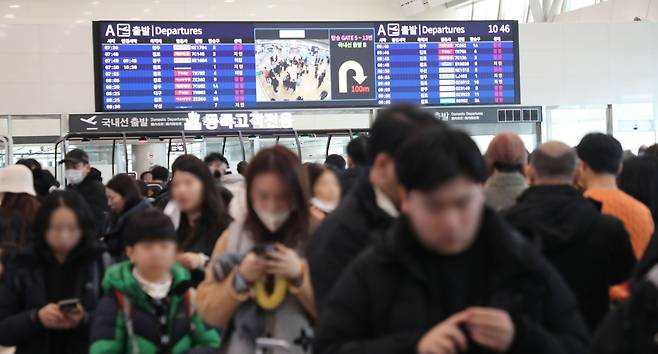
pixel 325 189
pixel 258 281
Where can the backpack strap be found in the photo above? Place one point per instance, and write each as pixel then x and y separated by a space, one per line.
pixel 126 311
pixel 190 304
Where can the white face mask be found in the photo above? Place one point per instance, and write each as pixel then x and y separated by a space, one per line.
pixel 74 176
pixel 326 207
pixel 273 221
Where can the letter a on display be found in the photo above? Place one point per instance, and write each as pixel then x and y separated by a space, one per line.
pixel 381 30
pixel 109 32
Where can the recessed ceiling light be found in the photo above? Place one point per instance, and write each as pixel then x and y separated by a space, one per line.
pixel 147 11
pixel 271 6
pixel 79 22
pixel 14 6
pixel 229 1
pixel 10 16
pixel 95 2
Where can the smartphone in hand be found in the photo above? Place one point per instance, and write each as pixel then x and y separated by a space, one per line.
pixel 69 306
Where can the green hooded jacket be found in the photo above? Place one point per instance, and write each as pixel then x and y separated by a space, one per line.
pixel 108 331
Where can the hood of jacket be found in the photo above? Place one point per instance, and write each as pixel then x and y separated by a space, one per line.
pixel 95 174
pixel 554 216
pixel 120 277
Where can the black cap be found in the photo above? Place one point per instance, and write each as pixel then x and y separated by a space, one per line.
pixel 76 156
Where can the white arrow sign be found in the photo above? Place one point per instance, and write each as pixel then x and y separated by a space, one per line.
pixel 342 74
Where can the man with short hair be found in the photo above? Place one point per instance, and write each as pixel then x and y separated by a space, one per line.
pixel 83 179
pixel 217 163
pixel 336 161
pixel 230 184
pixel 158 187
pixel 600 163
pixel 146 177
pixel 242 168
pixel 591 250
pixel 357 163
pixel 159 175
pixel 373 204
pixel 450 276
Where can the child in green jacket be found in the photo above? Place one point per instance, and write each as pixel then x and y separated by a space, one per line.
pixel 149 303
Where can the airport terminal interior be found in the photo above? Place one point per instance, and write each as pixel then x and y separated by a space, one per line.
pixel 328 177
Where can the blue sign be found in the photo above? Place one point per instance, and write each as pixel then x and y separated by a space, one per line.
pixel 164 66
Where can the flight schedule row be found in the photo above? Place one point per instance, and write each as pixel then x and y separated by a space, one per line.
pixel 224 75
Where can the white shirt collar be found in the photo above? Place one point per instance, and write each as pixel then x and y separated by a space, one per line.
pixel 384 203
pixel 156 290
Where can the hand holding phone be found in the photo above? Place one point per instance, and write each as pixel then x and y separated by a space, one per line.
pixel 69 306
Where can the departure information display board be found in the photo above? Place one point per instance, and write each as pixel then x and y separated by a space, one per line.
pixel 153 66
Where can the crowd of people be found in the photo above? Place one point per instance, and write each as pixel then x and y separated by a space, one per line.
pixel 288 72
pixel 418 243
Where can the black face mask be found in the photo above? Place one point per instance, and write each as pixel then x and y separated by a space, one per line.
pixel 217 174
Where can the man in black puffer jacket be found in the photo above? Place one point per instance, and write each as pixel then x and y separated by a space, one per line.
pixel 372 204
pixel 592 251
pixel 450 276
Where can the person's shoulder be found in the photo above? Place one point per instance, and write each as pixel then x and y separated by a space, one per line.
pixel 346 216
pixel 371 261
pixel 636 205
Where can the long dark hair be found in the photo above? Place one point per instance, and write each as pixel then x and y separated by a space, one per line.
pixel 71 200
pixel 126 186
pixel 287 166
pixel 214 217
pixel 24 206
pixel 639 178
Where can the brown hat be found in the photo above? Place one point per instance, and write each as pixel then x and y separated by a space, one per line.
pixel 506 151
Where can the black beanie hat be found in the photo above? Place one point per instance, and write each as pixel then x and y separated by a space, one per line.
pixel 149 225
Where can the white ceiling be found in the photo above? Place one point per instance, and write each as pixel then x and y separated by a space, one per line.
pixel 83 11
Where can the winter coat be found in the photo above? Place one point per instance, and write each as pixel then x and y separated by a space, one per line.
pixel 93 191
pixel 10 228
pixel 592 251
pixel 632 327
pixel 23 293
pixel 351 177
pixel 221 305
pixel 342 236
pixel 43 181
pixel 387 300
pixel 114 237
pixel 196 243
pixel 183 328
pixel 502 189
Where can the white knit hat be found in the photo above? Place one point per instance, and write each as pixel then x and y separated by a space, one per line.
pixel 16 179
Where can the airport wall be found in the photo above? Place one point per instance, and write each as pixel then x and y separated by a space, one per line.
pixel 48 68
pixel 613 11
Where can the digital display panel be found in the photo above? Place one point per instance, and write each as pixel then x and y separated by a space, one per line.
pixel 154 66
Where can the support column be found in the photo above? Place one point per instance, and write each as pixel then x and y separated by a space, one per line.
pixel 147 155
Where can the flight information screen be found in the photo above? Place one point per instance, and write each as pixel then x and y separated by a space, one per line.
pixel 147 66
